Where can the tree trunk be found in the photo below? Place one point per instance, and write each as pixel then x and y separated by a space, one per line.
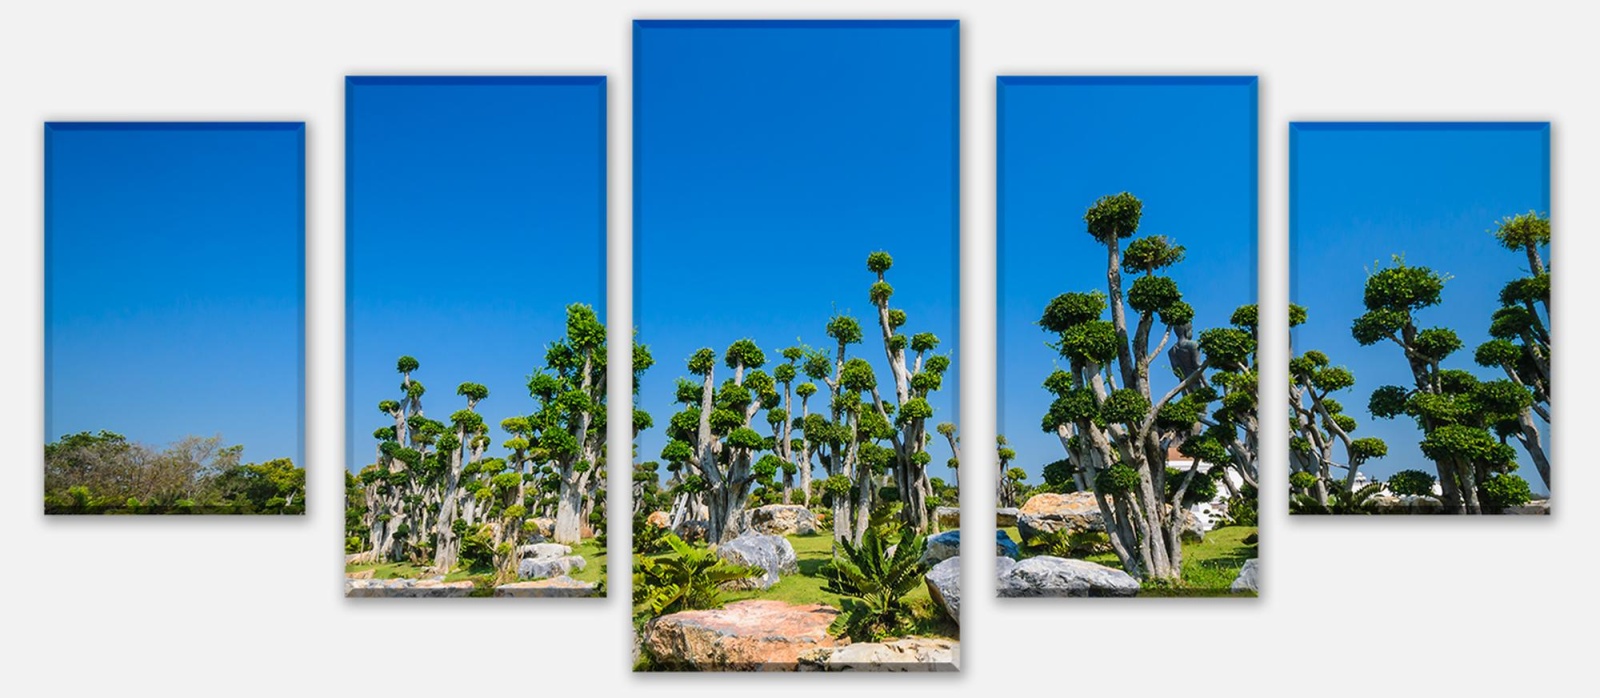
pixel 569 505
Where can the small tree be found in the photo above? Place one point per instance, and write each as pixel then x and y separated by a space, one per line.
pixel 1318 420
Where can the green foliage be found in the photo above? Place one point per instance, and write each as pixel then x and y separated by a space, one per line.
pixel 1504 490
pixel 1226 347
pixel 879 262
pixel 1149 294
pixel 874 583
pixel 1415 483
pixel 1070 309
pixel 1070 543
pixel 688 578
pixel 1113 217
pixel 1302 480
pixel 1435 344
pixel 1125 406
pixel 1116 479
pixel 1521 231
pixel 1149 253
pixel 1242 508
pixel 1093 342
pixel 1388 401
pixel 1403 288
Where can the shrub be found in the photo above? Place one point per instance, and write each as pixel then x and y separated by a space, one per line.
pixel 689 578
pixel 1505 490
pixel 1412 483
pixel 874 583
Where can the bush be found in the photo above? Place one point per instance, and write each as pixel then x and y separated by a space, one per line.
pixel 1502 491
pixel 689 578
pixel 1412 483
pixel 1242 509
pixel 874 583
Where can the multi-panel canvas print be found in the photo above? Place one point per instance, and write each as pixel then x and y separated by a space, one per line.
pixel 1127 336
pixel 795 297
pixel 1420 312
pixel 475 267
pixel 174 297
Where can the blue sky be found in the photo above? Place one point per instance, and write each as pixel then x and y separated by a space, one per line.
pixel 770 159
pixel 476 215
pixel 1362 193
pixel 174 274
pixel 1186 147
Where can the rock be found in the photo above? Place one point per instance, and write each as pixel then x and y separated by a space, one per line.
pixel 1002 565
pixel 659 519
pixel 691 531
pixel 773 554
pixel 545 526
pixel 754 635
pixel 940 547
pixel 944 585
pixel 781 520
pixel 907 654
pixel 1005 516
pixel 1005 547
pixel 544 550
pixel 1249 578
pixel 947 517
pixel 554 587
pixel 541 567
pixel 1058 576
pixel 1194 528
pixel 362 574
pixel 406 588
pixel 1537 507
pixel 1051 512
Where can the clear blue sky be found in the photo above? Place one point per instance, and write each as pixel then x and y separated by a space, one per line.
pixel 1361 193
pixel 1185 146
pixel 174 286
pixel 476 215
pixel 770 158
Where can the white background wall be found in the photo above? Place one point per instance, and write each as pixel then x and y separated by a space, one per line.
pixel 254 607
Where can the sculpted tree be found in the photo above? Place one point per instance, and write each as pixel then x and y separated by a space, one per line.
pixel 1007 485
pixel 948 431
pixel 712 434
pixel 913 383
pixel 1318 421
pixel 569 425
pixel 1456 411
pixel 1521 332
pixel 1115 432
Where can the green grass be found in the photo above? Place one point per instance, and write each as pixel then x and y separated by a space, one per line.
pixel 1209 567
pixel 803 588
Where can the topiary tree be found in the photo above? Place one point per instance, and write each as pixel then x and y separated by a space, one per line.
pixel 1114 430
pixel 1459 414
pixel 914 381
pixel 1521 332
pixel 712 434
pixel 1318 421
pixel 948 431
pixel 1009 487
pixel 568 427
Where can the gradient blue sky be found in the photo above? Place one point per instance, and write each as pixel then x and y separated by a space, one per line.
pixel 1185 146
pixel 1361 193
pixel 174 272
pixel 770 158
pixel 476 215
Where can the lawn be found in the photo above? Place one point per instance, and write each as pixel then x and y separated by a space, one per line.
pixel 1209 567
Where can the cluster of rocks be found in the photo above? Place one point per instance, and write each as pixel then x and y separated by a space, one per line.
pixel 932 654
pixel 542 560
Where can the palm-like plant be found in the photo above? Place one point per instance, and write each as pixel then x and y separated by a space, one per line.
pixel 688 578
pixel 1340 501
pixel 874 578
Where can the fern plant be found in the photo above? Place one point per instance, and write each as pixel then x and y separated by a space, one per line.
pixel 874 579
pixel 686 579
pixel 1340 501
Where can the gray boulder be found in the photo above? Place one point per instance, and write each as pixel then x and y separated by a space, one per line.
pixel 940 547
pixel 944 585
pixel 544 550
pixel 1059 576
pixel 1005 516
pixel 541 567
pixel 1249 578
pixel 773 554
pixel 1005 547
pixel 947 517
pixel 932 654
pixel 554 587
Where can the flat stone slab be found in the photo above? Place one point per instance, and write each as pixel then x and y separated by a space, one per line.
pixel 1047 576
pixel 562 587
pixel 406 588
pixel 907 654
pixel 754 635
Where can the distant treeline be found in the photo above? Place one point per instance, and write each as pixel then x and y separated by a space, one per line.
pixel 105 473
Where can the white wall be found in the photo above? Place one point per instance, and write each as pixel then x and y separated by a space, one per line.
pixel 254 607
